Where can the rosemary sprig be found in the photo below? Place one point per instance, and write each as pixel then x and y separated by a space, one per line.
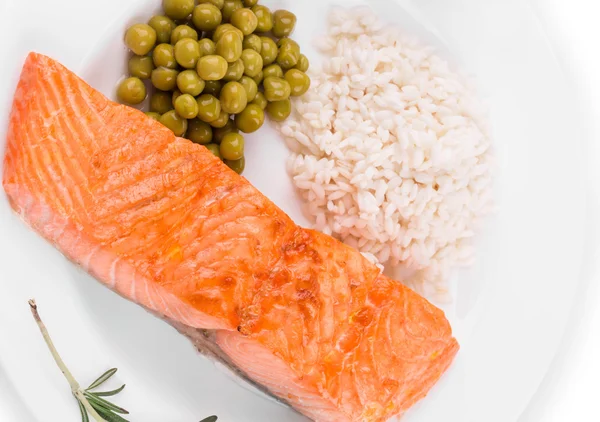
pixel 91 403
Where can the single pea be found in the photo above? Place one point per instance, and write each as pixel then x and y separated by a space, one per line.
pixel 253 62
pixel 212 68
pixel 213 88
pixel 237 165
pixel 252 42
pixel 176 94
pixel 141 67
pixel 218 3
pixel 250 3
pixel 259 78
pixel 268 50
pixel 222 29
pixel 163 27
pixel 199 132
pixel 289 54
pixel 235 71
pixel 131 91
pixel 175 122
pixel 152 115
pixel 303 63
pixel 219 133
pixel 250 87
pixel 207 47
pixel 164 56
pixel 233 98
pixel 260 100
pixel 273 70
pixel 189 82
pixel 187 53
pixel 232 146
pixel 140 38
pixel 209 108
pixel 206 17
pixel 183 31
pixel 164 78
pixel 178 9
pixel 264 18
pixel 160 102
pixel 276 89
pixel 284 23
pixel 186 106
pixel 245 20
pixel 251 119
pixel 229 47
pixel 221 121
pixel 279 110
pixel 214 149
pixel 230 6
pixel 299 82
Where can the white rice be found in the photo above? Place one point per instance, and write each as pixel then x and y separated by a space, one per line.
pixel 391 151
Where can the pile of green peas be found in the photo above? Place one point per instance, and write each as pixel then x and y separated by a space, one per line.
pixel 215 67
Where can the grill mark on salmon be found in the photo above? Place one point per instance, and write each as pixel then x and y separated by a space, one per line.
pixel 164 223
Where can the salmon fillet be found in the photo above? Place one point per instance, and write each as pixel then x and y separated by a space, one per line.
pixel 167 225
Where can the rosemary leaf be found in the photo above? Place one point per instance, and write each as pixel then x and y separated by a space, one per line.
pixel 84 415
pixel 109 393
pixel 212 418
pixel 102 379
pixel 92 398
pixel 110 416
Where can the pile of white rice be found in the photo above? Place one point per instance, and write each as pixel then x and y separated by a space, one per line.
pixel 391 151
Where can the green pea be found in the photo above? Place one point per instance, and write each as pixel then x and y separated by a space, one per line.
pixel 284 23
pixel 252 42
pixel 260 100
pixel 222 29
pixel 160 102
pixel 229 46
pixel 237 165
pixel 264 18
pixel 218 3
pixel 268 50
pixel 209 108
pixel 219 133
pixel 303 63
pixel 187 53
pixel 189 82
pixel 276 89
pixel 214 149
pixel 206 17
pixel 250 3
pixel 164 79
pixel 233 98
pixel 164 56
pixel 173 121
pixel 221 121
pixel 245 20
pixel 140 38
pixel 230 6
pixel 212 68
pixel 141 67
pixel 273 71
pixel 131 91
pixel 289 54
pixel 163 27
pixel 253 62
pixel 232 146
pixel 235 71
pixel 279 110
pixel 199 132
pixel 207 47
pixel 183 31
pixel 186 106
pixel 213 88
pixel 251 119
pixel 299 82
pixel 178 9
pixel 250 87
pixel 153 115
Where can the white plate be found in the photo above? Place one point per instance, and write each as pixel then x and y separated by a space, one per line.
pixel 510 310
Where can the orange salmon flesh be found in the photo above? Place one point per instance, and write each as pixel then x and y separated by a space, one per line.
pixel 164 223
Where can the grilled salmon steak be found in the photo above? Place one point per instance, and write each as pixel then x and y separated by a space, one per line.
pixel 166 224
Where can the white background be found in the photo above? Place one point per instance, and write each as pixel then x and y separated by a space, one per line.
pixel 571 391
